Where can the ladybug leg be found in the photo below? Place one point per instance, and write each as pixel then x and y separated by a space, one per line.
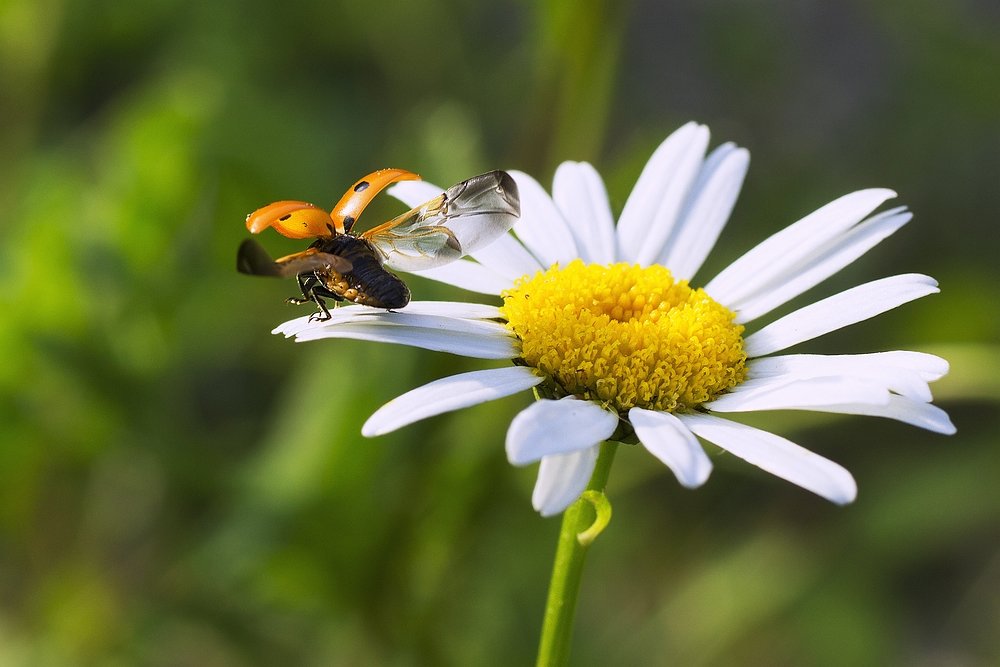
pixel 317 293
pixel 312 291
pixel 307 283
pixel 324 313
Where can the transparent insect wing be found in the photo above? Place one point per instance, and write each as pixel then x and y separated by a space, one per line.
pixel 253 260
pixel 482 209
pixel 311 259
pixel 415 240
pixel 466 217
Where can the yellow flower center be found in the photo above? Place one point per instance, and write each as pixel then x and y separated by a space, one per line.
pixel 626 336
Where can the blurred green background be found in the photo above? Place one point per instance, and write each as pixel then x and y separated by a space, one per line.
pixel 180 487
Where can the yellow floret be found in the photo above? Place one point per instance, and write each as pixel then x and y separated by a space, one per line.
pixel 626 336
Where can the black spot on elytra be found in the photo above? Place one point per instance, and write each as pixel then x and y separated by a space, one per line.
pixel 285 217
pixel 361 186
pixel 348 223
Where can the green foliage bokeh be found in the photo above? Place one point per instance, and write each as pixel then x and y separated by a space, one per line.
pixel 179 487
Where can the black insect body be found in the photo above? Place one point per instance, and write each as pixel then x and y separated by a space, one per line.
pixel 366 282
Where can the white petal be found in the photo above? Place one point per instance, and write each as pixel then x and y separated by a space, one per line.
pixel 666 438
pixel 293 327
pixel 762 264
pixel 459 309
pixel 482 344
pixel 876 365
pixel 706 210
pixel 418 320
pixel 777 456
pixel 414 193
pixel 917 413
pixel 447 394
pixel 562 478
pixel 469 276
pixel 579 192
pixel 819 266
pixel 840 310
pixel 896 371
pixel 542 228
pixel 508 258
pixel 799 394
pixel 556 427
pixel 928 366
pixel 651 210
pixel 338 316
pixel 357 313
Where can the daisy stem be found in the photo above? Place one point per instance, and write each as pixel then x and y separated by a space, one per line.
pixel 575 539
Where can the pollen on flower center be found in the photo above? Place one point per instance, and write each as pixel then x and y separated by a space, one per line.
pixel 626 336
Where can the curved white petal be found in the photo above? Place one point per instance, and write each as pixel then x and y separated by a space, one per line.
pixel 706 210
pixel 562 478
pixel 900 408
pixel 469 276
pixel 822 264
pixel 460 309
pixel 447 394
pixel 414 193
pixel 896 371
pixel 417 320
pixel 356 313
pixel 338 316
pixel 542 228
pixel 762 264
pixel 481 344
pixel 300 324
pixel 508 258
pixel 928 366
pixel 651 210
pixel 666 438
pixel 579 192
pixel 800 394
pixel 840 310
pixel 556 427
pixel 777 456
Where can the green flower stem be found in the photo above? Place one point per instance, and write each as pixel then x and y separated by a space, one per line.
pixel 582 522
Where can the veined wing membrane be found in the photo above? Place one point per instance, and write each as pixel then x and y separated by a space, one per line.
pixel 466 217
pixel 253 260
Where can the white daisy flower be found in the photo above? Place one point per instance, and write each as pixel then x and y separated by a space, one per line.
pixel 601 320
